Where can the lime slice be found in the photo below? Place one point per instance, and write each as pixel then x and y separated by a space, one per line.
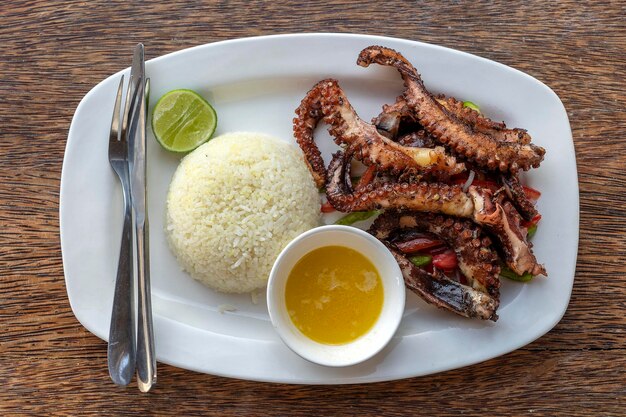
pixel 182 120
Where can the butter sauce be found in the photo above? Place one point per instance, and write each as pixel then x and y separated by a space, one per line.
pixel 334 295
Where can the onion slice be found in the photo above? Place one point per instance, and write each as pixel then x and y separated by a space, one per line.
pixel 470 180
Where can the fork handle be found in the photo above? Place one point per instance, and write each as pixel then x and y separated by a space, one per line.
pixel 121 349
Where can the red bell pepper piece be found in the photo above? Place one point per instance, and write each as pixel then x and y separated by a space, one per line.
pixel 446 261
pixel 327 208
pixel 533 222
pixel 418 244
pixel 531 193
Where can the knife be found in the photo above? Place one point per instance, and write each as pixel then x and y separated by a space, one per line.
pixel 146 361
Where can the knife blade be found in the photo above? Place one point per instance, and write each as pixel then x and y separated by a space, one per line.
pixel 146 361
pixel 135 70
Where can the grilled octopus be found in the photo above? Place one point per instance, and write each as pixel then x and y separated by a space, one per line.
pixel 398 117
pixel 477 261
pixel 494 213
pixel 393 116
pixel 327 101
pixel 448 128
pixel 413 148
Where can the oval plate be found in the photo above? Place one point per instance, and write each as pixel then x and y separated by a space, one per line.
pixel 255 84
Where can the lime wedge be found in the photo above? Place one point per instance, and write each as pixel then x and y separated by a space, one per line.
pixel 182 120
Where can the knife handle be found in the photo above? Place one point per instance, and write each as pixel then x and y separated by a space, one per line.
pixel 146 361
pixel 121 349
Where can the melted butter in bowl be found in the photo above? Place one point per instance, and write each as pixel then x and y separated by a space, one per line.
pixel 336 295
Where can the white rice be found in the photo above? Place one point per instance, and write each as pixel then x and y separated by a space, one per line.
pixel 233 204
pixel 226 308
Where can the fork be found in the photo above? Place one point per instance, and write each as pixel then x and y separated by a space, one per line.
pixel 122 349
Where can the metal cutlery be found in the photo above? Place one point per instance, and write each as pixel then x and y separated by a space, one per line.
pixel 134 131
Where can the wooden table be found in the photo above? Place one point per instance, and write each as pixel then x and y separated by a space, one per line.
pixel 52 53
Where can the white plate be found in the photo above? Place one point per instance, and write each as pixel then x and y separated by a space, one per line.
pixel 255 84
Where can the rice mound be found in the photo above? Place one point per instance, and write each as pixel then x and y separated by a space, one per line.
pixel 233 204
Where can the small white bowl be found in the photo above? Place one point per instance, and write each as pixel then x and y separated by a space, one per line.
pixel 383 330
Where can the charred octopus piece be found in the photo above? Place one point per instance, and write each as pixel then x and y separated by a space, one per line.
pixel 399 116
pixel 477 261
pixel 497 215
pixel 482 124
pixel 326 100
pixel 476 146
pixel 419 138
pixel 394 117
pixel 515 192
pixel 309 113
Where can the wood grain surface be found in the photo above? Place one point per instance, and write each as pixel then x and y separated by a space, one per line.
pixel 52 53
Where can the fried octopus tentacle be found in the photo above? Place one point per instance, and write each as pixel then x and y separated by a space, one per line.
pixel 504 222
pixel 389 121
pixel 477 204
pixel 516 193
pixel 309 113
pixel 326 100
pixel 482 124
pixel 477 147
pixel 432 197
